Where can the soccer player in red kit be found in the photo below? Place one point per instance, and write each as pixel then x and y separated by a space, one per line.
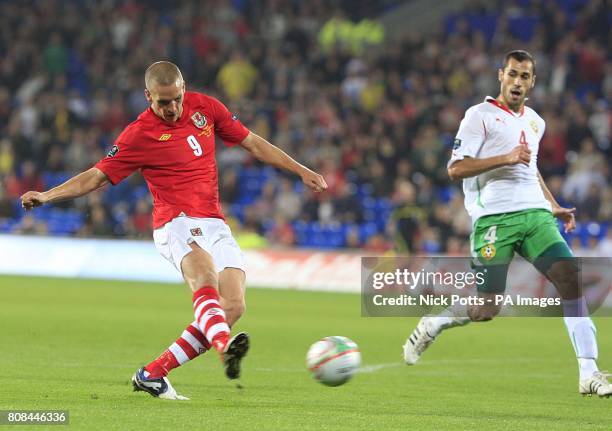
pixel 172 143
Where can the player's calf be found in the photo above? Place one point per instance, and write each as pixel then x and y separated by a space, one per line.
pixel 486 311
pixel 233 310
pixel 482 313
pixel 231 291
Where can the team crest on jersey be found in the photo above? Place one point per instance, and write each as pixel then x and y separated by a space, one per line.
pixel 196 231
pixel 199 120
pixel 488 251
pixel 113 151
pixel 534 126
pixel 456 144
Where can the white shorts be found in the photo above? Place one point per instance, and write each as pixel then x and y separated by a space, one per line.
pixel 211 234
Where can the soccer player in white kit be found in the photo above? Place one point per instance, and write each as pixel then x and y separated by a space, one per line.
pixel 495 154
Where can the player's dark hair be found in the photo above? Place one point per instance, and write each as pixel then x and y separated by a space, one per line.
pixel 520 56
pixel 163 73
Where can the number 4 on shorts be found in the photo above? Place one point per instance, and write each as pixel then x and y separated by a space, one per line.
pixel 491 236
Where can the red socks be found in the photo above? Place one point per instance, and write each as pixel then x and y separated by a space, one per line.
pixel 210 317
pixel 210 324
pixel 188 346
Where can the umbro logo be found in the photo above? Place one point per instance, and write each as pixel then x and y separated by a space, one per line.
pixel 165 137
pixel 500 120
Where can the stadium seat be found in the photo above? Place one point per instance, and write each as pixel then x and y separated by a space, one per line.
pixel 366 230
pixel 7 226
pixel 523 27
pixel 53 179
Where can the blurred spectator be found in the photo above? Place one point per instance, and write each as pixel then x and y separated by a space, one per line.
pixel 55 55
pixel 352 238
pixel 553 147
pixel 288 203
pixel 142 219
pixel 98 223
pixel 7 209
pixel 586 170
pixel 282 233
pixel 599 123
pixel 377 244
pixel 346 206
pixel 30 226
pixel 604 248
pixel 237 76
pixel 229 188
pixel 29 179
pixel 7 157
pixel 407 219
pixel 263 208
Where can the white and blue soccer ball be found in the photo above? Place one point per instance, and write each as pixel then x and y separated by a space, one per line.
pixel 333 360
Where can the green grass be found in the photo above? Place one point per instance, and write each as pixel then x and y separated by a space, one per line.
pixel 73 345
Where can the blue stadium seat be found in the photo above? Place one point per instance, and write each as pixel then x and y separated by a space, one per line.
pixel 382 218
pixel 485 23
pixel 140 192
pixel 365 190
pixel 318 235
pixel 370 215
pixel 368 203
pixel 366 230
pixel 523 27
pixel 445 194
pixel 298 187
pixel 237 210
pixel 246 199
pixel 299 228
pixel 52 179
pixel 383 204
pixel 7 226
pixel 18 209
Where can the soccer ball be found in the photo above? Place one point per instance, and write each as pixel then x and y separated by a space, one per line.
pixel 333 360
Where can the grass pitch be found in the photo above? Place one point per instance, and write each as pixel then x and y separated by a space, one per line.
pixel 74 344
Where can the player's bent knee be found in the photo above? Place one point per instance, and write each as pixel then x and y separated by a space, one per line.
pixel 565 276
pixel 201 278
pixel 198 269
pixel 207 277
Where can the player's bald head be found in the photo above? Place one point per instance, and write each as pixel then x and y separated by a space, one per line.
pixel 163 73
pixel 165 90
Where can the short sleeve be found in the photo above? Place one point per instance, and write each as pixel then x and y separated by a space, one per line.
pixel 122 159
pixel 227 125
pixel 469 138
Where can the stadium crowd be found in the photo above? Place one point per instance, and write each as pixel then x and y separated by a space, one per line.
pixel 319 79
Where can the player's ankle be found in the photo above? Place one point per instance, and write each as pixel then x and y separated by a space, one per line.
pixel 220 341
pixel 154 371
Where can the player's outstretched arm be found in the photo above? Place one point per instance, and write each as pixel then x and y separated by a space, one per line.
pixel 76 186
pixel 470 167
pixel 266 152
pixel 564 214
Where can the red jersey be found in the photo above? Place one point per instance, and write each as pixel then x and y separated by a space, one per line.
pixel 177 160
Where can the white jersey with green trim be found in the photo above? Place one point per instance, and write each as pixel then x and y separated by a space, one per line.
pixel 490 129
